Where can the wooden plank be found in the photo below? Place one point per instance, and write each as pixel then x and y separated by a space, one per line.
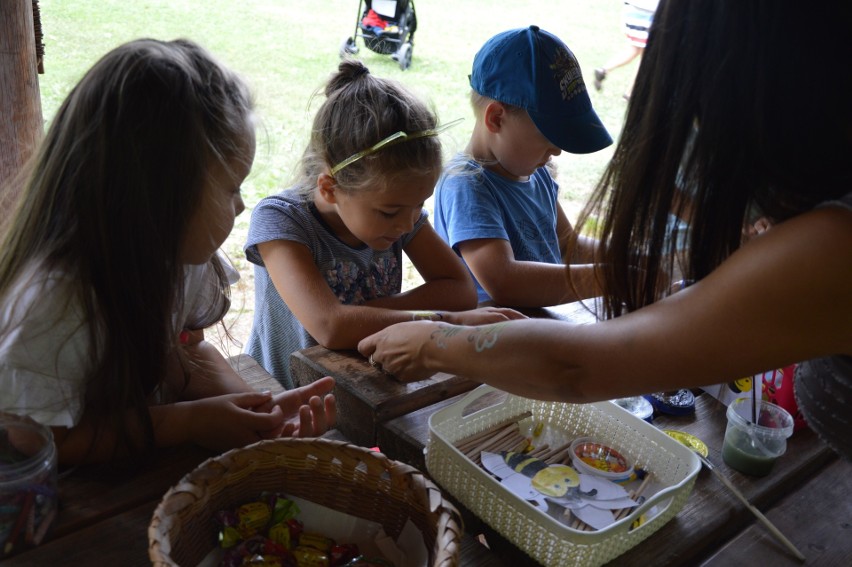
pixel 403 438
pixel 254 374
pixel 120 539
pixel 367 397
pixel 815 518
pixel 89 494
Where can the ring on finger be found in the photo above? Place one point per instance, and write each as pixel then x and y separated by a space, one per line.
pixel 373 363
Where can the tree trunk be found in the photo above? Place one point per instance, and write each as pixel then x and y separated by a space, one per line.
pixel 21 124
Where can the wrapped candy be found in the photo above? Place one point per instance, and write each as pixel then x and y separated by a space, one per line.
pixel 266 533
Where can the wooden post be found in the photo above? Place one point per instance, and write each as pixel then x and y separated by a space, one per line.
pixel 21 124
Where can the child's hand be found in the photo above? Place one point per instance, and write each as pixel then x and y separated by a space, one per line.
pixel 228 421
pixel 308 411
pixel 481 316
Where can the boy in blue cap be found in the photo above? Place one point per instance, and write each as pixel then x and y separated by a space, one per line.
pixel 496 203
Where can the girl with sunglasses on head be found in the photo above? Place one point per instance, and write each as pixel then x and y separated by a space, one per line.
pixel 328 250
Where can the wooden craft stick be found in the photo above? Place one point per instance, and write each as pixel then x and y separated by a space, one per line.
pixel 489 443
pixel 476 455
pixel 634 494
pixel 20 523
pixel 510 443
pixel 757 513
pixel 642 486
pixel 556 450
pixel 495 427
pixel 521 445
pixel 560 458
pixel 44 525
pixel 478 439
pixel 473 444
pixel 538 451
pixel 505 445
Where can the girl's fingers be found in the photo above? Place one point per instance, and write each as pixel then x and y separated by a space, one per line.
pixel 252 400
pixel 330 411
pixel 306 422
pixel 289 430
pixel 320 423
pixel 267 423
pixel 267 405
pixel 319 387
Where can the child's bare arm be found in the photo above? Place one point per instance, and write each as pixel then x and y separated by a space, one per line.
pixel 209 372
pixel 581 250
pixel 525 284
pixel 337 326
pixel 447 285
pixel 217 423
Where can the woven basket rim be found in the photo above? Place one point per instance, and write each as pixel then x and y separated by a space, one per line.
pixel 404 488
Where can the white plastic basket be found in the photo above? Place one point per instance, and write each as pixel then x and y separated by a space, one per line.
pixel 542 537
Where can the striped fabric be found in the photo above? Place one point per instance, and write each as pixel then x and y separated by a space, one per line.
pixel 637 20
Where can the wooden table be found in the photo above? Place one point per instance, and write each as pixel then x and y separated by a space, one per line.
pixel 103 517
pixel 808 495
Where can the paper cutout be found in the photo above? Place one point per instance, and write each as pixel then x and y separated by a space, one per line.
pixel 592 499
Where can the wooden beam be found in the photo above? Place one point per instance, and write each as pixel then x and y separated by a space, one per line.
pixel 21 123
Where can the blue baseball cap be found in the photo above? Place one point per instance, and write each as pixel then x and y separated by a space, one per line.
pixel 534 70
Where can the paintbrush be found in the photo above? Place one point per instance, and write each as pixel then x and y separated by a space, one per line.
pixel 754 400
pixel 758 514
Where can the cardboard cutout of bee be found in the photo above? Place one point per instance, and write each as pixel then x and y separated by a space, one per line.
pixel 553 488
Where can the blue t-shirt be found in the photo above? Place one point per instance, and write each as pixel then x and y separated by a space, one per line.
pixel 355 275
pixel 472 202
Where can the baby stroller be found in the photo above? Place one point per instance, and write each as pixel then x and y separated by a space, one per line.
pixel 387 27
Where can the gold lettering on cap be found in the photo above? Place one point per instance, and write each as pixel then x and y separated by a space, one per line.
pixel 567 73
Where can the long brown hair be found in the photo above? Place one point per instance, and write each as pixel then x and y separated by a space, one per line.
pixel 107 200
pixel 361 109
pixel 739 108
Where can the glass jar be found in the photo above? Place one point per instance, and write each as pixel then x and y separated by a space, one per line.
pixel 28 491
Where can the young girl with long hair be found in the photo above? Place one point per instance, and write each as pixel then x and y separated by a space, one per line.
pixel 109 270
pixel 329 249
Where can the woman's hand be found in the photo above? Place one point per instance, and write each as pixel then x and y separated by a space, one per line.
pixel 481 316
pixel 397 349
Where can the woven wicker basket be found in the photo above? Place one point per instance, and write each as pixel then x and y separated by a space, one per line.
pixel 340 476
pixel 546 540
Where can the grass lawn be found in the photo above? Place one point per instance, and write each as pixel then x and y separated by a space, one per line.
pixel 287 49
